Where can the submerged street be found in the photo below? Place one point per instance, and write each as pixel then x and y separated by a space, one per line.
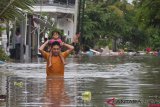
pixel 132 81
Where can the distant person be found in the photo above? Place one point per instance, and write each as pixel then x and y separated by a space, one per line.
pixel 155 53
pixel 18 43
pixel 87 51
pixel 148 50
pixel 57 66
pixel 75 43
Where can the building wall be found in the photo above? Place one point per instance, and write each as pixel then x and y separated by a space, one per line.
pixel 3 39
pixel 67 25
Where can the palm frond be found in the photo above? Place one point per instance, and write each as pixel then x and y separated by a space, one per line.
pixel 10 9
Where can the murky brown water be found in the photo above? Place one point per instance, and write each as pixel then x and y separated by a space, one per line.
pixel 128 81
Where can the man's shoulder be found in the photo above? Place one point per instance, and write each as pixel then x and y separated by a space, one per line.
pixel 65 53
pixel 44 54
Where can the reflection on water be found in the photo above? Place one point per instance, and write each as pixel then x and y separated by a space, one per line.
pixel 123 78
pixel 56 93
pixel 40 92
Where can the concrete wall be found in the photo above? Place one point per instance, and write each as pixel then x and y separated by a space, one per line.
pixel 3 40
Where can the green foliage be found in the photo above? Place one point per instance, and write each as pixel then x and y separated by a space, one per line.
pixel 3 56
pixel 154 40
pixel 102 43
pixel 135 25
pixel 148 13
pixel 105 19
pixel 2 28
pixel 11 9
pixel 148 17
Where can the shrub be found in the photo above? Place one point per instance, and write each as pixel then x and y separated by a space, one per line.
pixel 3 56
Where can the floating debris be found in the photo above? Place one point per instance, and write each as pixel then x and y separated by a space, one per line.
pixel 86 96
pixel 18 84
pixel 2 97
pixel 2 62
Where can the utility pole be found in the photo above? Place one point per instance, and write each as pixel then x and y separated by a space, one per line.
pixel 79 16
pixel 75 17
pixel 81 20
pixel 82 28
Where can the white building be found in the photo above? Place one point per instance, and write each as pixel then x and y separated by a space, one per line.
pixel 64 13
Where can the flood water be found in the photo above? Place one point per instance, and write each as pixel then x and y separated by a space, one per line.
pixel 124 81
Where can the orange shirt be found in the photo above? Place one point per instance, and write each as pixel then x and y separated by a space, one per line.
pixel 57 68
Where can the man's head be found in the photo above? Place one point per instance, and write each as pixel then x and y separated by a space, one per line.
pixel 17 32
pixel 56 48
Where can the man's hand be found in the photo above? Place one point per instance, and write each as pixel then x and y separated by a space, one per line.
pixel 43 46
pixel 70 47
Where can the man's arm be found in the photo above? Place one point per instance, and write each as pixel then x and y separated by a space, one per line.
pixel 43 46
pixel 41 49
pixel 70 47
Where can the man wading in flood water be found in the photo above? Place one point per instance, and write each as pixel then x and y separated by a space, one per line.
pixel 57 67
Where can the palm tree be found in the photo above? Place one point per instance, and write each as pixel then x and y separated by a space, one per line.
pixel 11 9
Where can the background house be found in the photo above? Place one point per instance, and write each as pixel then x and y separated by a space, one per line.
pixel 35 27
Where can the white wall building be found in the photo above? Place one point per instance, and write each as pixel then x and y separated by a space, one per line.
pixel 64 13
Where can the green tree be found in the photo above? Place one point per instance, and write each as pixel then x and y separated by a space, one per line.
pixel 104 21
pixel 133 36
pixel 148 17
pixel 148 12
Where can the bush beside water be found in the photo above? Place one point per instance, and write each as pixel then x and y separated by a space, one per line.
pixel 3 56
